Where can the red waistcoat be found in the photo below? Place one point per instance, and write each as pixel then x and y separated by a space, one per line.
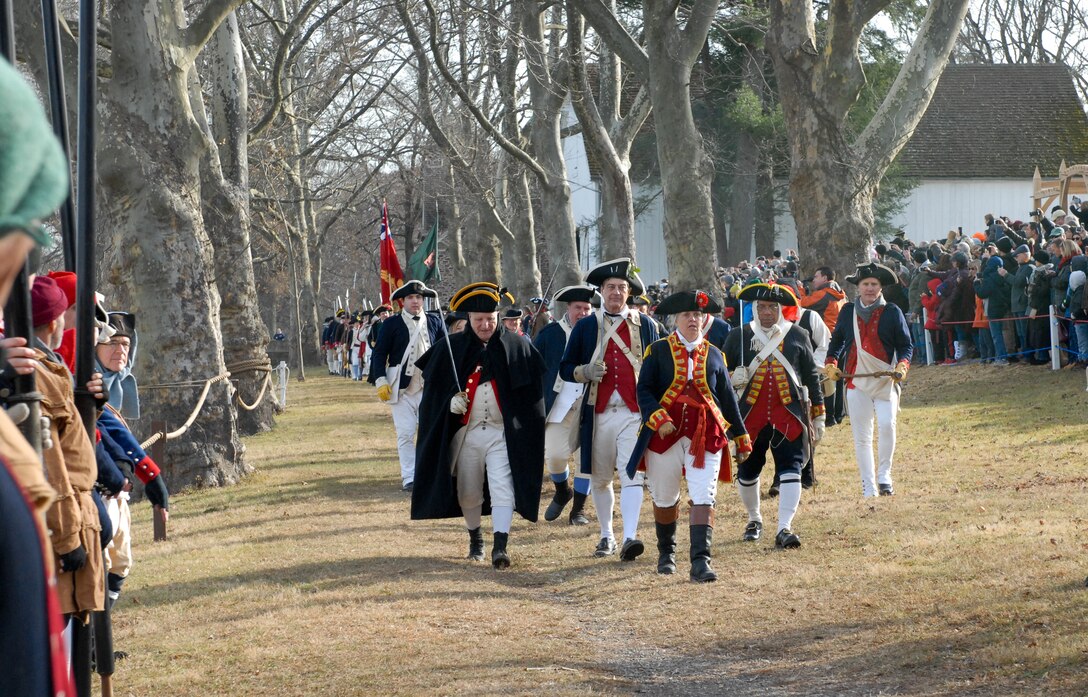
pixel 772 392
pixel 620 375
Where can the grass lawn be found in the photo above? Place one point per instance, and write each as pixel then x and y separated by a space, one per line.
pixel 310 579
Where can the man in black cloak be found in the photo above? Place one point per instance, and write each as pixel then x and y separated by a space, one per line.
pixel 481 441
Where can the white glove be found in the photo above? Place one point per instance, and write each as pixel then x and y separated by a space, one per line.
pixel 739 378
pixel 18 413
pixel 818 428
pixel 594 372
pixel 459 403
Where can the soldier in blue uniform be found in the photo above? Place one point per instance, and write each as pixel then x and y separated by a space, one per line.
pixel 402 340
pixel 605 353
pixel 563 405
pixel 782 403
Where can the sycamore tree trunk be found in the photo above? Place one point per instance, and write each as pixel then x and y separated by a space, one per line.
pixel 608 137
pixel 834 180
pixel 149 170
pixel 226 216
pixel 547 90
pixel 686 170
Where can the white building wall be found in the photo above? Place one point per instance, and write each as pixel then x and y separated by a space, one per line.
pixel 939 205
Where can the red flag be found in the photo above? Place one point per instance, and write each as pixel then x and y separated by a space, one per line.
pixel 392 275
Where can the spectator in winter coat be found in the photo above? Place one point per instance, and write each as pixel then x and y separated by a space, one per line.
pixel 994 289
pixel 1018 282
pixel 1038 290
pixel 825 298
pixel 1073 308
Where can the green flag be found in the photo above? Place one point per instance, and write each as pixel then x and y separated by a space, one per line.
pixel 423 265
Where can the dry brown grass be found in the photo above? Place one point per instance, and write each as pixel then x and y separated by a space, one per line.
pixel 309 579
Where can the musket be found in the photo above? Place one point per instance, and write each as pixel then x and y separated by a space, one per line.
pixel 877 374
pixel 543 298
pixel 86 280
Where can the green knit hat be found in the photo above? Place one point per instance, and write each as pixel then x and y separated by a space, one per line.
pixel 33 170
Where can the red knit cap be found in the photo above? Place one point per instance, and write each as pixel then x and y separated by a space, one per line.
pixel 47 301
pixel 67 282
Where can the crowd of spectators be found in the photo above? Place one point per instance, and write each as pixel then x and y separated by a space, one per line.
pixel 983 297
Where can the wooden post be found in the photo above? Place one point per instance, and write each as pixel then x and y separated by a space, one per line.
pixel 158 454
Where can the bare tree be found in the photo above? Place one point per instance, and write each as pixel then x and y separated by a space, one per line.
pixel 833 178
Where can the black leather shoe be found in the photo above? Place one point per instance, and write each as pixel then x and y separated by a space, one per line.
pixel 808 480
pixel 475 545
pixel 563 495
pixel 499 558
pixel 773 491
pixel 753 530
pixel 605 548
pixel 885 490
pixel 577 510
pixel 408 487
pixel 786 539
pixel 631 549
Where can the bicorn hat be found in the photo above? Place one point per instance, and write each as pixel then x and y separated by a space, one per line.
pixel 413 288
pixel 688 301
pixel 638 301
pixel 764 291
pixel 880 272
pixel 622 268
pixel 479 297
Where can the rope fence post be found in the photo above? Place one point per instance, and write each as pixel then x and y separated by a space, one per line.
pixel 158 454
pixel 929 339
pixel 283 374
pixel 1055 342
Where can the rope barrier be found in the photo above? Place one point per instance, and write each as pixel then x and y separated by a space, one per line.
pixel 156 437
pixel 262 365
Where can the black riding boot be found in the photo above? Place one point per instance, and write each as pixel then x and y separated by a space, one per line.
pixel 702 528
pixel 665 522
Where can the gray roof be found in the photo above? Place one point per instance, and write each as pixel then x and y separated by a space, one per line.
pixel 976 125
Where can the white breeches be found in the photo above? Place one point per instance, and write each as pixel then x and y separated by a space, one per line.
pixel 615 432
pixel 483 455
pixel 406 421
pixel 665 470
pixel 862 409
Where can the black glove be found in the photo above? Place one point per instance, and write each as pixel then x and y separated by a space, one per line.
pixel 157 494
pixel 74 560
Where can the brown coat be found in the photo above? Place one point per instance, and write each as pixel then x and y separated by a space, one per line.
pixel 72 470
pixel 27 470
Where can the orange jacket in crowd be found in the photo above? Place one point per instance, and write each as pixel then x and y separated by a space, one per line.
pixel 827 301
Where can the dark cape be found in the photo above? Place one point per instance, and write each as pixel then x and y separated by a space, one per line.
pixel 518 371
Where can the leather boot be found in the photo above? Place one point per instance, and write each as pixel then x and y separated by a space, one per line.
pixel 702 528
pixel 563 495
pixel 499 558
pixel 665 523
pixel 577 515
pixel 475 545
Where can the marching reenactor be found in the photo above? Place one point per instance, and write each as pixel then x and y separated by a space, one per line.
pixel 511 320
pixel 780 398
pixel 873 340
pixel 563 405
pixel 605 352
pixel 403 339
pixel 689 414
pixel 482 449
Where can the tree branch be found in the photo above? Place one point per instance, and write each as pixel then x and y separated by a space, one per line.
pixel 481 118
pixel 200 30
pixel 909 97
pixel 693 35
pixel 605 23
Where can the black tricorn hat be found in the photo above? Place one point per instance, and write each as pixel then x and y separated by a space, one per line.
pixel 478 297
pixel 512 313
pixel 638 301
pixel 413 288
pixel 570 294
pixel 763 291
pixel 880 272
pixel 622 268
pixel 123 323
pixel 688 301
